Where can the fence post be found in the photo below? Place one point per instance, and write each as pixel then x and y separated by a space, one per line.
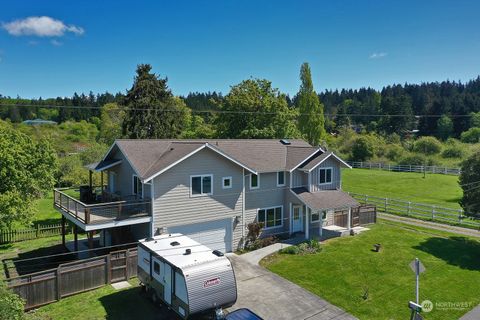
pixel 58 283
pixel 109 274
pixel 366 199
pixel 386 204
pixel 433 212
pixel 409 208
pixel 37 230
pixel 460 215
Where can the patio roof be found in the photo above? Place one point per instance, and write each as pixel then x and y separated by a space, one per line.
pixel 103 165
pixel 326 199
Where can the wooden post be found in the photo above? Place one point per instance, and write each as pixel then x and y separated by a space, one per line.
pixel 409 208
pixel 90 180
pixel 386 204
pixel 58 283
pixel 75 238
pixel 126 263
pixel 109 266
pixel 63 230
pixel 433 213
pixel 349 219
pixel 307 226
pixel 90 240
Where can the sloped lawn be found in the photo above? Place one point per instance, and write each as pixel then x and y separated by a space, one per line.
pixel 347 268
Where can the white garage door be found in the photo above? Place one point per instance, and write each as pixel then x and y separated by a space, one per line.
pixel 217 235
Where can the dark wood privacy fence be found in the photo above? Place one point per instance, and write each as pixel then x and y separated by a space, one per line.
pixel 40 231
pixel 359 216
pixel 48 286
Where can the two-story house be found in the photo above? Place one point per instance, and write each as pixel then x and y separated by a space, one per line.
pixel 211 190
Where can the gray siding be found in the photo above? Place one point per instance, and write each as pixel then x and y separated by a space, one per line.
pixel 299 179
pixel 336 176
pixel 173 205
pixel 124 173
pixel 268 195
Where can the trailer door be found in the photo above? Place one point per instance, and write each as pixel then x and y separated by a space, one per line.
pixel 167 283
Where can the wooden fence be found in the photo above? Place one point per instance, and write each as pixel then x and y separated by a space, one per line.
pixel 404 168
pixel 48 286
pixel 419 210
pixel 40 231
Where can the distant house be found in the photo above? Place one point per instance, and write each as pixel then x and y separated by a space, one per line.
pixel 37 122
pixel 212 190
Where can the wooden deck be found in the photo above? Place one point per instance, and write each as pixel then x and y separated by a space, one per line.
pixel 100 212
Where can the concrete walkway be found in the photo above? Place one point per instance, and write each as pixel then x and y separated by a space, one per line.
pixel 429 224
pixel 473 314
pixel 273 297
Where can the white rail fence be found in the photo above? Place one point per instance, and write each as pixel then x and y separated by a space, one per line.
pixel 404 168
pixel 419 210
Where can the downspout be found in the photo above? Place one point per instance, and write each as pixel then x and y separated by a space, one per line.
pixel 243 208
pixel 152 194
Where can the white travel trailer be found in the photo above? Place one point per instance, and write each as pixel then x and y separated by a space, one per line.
pixel 185 275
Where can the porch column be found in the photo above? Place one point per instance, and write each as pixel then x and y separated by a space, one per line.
pixel 307 229
pixel 75 238
pixel 63 230
pixel 321 223
pixel 349 220
pixel 101 180
pixel 90 240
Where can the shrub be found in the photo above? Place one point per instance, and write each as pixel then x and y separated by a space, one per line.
pixel 455 151
pixel 472 135
pixel 394 152
pixel 427 145
pixel 413 159
pixel 11 305
pixel 290 250
pixel 362 149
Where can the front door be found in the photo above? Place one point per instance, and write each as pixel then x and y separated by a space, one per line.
pixel 297 218
pixel 167 283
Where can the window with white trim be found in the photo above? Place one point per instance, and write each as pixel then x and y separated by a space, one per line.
pixel 226 182
pixel 314 215
pixel 201 185
pixel 270 217
pixel 254 181
pixel 137 186
pixel 280 178
pixel 325 176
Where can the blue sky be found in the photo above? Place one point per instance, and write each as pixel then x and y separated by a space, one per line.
pixel 211 45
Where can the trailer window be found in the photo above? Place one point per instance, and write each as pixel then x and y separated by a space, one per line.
pixel 156 267
pixel 180 287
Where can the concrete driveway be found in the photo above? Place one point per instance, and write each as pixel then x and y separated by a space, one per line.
pixel 273 297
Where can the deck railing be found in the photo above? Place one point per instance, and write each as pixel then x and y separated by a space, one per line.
pixel 100 212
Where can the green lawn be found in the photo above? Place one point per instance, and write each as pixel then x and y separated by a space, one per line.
pixel 348 266
pixel 438 189
pixel 46 214
pixel 103 303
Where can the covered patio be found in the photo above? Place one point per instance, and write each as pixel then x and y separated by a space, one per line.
pixel 328 213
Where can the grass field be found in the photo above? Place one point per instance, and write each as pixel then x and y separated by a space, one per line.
pixel 103 303
pixel 437 189
pixel 347 267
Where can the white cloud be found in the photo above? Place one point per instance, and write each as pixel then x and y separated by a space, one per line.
pixel 56 43
pixel 41 27
pixel 378 55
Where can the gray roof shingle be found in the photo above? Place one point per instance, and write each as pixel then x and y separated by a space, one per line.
pixel 326 199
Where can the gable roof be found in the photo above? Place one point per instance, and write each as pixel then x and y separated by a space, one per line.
pixel 151 157
pixel 315 162
pixel 325 199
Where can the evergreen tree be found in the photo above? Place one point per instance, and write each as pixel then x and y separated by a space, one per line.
pixel 151 109
pixel 311 121
pixel 444 127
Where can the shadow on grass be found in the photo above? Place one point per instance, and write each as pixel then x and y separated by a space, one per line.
pixel 46 222
pixel 133 304
pixel 457 251
pixel 15 267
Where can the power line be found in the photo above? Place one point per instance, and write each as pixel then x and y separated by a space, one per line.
pixel 209 111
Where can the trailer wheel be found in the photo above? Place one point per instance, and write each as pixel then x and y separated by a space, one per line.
pixel 154 298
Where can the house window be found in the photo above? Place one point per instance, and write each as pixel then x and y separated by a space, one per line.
pixel 156 267
pixel 137 186
pixel 324 215
pixel 324 175
pixel 315 215
pixel 280 178
pixel 254 181
pixel 226 182
pixel 271 217
pixel 201 185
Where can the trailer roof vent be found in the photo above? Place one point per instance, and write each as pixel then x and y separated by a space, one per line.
pixel 218 253
pixel 285 142
pixel 188 251
pixel 174 243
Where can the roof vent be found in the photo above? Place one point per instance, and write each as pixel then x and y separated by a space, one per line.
pixel 217 253
pixel 174 243
pixel 285 142
pixel 188 251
